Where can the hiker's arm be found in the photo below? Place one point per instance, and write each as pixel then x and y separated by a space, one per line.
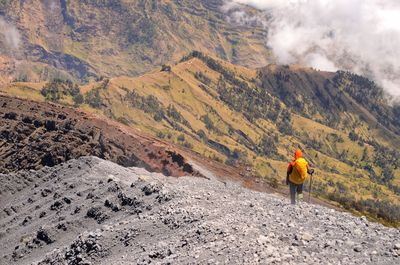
pixel 289 171
pixel 287 179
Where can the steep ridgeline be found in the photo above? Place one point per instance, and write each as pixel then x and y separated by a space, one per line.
pixel 91 211
pixel 34 135
pixel 330 95
pixel 87 39
pixel 254 119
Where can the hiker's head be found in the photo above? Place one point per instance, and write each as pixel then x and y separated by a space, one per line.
pixel 298 154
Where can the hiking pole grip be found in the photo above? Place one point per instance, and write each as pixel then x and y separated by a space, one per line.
pixel 309 190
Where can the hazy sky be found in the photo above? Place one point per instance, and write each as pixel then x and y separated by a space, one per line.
pixel 358 35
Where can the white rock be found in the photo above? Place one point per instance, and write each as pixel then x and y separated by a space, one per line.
pixel 306 236
pixel 263 240
pixel 357 232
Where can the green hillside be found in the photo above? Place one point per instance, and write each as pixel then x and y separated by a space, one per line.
pixel 256 118
pixel 84 40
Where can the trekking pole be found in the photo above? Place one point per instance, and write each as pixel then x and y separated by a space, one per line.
pixel 309 190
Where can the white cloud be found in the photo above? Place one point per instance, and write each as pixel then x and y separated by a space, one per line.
pixel 362 36
pixel 10 34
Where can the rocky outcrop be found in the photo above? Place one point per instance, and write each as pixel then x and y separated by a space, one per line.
pixel 65 62
pixel 33 135
pixel 91 211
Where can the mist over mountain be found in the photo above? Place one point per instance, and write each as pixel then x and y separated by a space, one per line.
pixel 359 36
pixel 9 34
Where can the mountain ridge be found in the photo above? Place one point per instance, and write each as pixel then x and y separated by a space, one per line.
pixel 88 40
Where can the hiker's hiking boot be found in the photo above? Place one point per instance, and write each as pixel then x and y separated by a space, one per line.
pixel 300 197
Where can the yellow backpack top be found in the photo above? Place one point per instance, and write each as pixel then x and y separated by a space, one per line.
pixel 299 171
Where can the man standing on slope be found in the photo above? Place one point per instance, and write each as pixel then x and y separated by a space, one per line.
pixel 296 175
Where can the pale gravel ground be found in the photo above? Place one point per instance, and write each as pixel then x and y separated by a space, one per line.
pixel 130 216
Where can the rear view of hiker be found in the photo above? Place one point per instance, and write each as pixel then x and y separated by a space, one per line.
pixel 296 175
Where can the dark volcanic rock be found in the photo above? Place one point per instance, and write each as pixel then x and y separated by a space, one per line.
pixel 59 133
pixel 97 214
pixel 44 236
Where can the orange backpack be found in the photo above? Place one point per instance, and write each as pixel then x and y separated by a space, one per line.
pixel 299 172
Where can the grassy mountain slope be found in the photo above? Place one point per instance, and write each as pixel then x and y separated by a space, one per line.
pixel 85 39
pixel 254 119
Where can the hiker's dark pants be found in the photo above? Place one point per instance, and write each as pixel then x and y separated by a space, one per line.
pixel 295 189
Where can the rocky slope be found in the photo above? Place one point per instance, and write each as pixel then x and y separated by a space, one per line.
pixel 33 135
pixel 90 211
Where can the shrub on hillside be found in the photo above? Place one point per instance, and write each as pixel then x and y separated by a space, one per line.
pixel 123 120
pixel 181 138
pixel 187 145
pixel 202 135
pixel 140 31
pixel 267 146
pixel 285 127
pixel 202 78
pixel 208 122
pixel 230 161
pixel 353 136
pixel 57 89
pixel 78 99
pixel 166 68
pixel 93 98
pixel 375 208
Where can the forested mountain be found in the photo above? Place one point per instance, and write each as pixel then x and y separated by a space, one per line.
pixel 85 40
